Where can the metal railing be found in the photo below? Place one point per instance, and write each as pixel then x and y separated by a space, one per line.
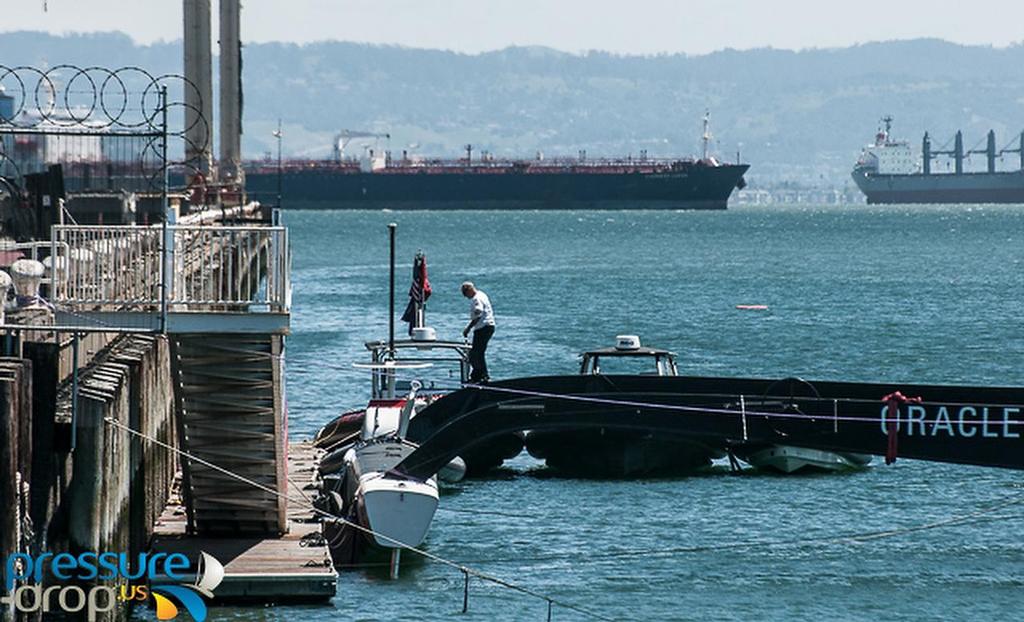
pixel 209 268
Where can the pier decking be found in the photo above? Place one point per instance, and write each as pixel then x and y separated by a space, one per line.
pixel 293 567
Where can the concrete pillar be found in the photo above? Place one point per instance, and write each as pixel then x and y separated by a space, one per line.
pixel 230 92
pixel 198 101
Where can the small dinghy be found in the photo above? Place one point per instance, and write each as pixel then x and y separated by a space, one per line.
pixel 789 459
pixel 783 396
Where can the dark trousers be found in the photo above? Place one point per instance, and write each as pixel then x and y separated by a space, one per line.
pixel 476 353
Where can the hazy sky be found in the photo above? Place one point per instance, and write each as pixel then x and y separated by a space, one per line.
pixel 627 26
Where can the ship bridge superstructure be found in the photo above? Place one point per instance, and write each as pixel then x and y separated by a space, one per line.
pixel 887 156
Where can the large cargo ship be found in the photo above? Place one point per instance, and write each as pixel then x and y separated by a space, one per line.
pixel 379 181
pixel 889 172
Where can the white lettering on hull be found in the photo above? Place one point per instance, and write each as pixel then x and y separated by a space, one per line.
pixel 964 422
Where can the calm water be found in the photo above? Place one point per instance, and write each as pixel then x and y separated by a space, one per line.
pixel 914 294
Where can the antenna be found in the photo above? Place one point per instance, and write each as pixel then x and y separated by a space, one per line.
pixel 887 119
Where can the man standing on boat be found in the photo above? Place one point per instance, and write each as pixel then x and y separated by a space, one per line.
pixel 481 322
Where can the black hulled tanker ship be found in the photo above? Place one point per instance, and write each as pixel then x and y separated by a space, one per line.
pixel 889 172
pixel 380 182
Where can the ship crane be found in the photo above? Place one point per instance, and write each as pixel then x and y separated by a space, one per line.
pixel 344 137
pixel 957 153
pixel 1018 150
pixel 989 151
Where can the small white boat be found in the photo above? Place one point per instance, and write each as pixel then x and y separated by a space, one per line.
pixel 785 396
pixel 789 459
pixel 395 512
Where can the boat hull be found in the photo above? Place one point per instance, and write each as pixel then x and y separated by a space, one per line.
pixel 492 453
pixel 399 512
pixel 999 187
pixel 617 453
pixel 788 459
pixel 322 187
pixel 392 511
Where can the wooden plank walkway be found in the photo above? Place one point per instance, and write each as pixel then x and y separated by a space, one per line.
pixel 293 567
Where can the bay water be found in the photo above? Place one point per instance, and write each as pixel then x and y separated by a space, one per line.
pixel 924 294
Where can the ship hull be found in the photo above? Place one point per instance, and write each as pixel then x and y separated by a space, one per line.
pixel 1001 187
pixel 697 187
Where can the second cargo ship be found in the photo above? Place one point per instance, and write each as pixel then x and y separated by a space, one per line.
pixel 379 181
pixel 889 172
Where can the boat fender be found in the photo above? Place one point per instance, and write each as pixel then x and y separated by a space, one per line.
pixel 454 471
pixel 337 502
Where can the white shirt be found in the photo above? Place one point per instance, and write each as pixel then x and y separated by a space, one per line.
pixel 480 307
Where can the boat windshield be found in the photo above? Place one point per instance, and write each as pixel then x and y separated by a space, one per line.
pixel 439 367
pixel 654 364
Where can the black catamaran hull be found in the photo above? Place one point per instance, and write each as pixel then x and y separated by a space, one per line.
pixel 617 453
pixel 959 424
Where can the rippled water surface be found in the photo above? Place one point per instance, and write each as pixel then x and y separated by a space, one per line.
pixel 912 294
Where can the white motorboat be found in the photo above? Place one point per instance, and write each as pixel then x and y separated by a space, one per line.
pixel 392 512
pixel 789 459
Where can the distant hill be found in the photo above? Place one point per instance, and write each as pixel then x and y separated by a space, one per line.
pixel 799 116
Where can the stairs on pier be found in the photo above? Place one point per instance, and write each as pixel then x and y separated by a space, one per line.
pixel 228 390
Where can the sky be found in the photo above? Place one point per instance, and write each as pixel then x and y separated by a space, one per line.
pixel 622 26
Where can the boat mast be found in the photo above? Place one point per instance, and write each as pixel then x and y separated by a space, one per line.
pixel 706 137
pixel 391 293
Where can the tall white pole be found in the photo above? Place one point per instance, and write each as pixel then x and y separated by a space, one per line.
pixel 231 93
pixel 198 100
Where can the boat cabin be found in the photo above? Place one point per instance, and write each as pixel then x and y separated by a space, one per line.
pixel 629 357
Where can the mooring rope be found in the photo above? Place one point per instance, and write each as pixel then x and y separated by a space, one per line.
pixel 709 409
pixel 978 516
pixel 466 570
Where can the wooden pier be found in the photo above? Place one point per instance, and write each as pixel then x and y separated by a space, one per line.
pixel 294 567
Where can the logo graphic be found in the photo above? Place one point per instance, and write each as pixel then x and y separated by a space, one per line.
pixel 115 578
pixel 208 576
